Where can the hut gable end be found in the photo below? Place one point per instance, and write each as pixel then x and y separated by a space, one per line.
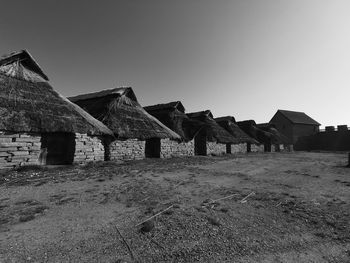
pixel 23 66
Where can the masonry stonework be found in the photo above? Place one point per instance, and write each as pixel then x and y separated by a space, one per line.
pixel 88 148
pixel 257 148
pixel 18 149
pixel 131 149
pixel 239 148
pixel 170 148
pixel 214 148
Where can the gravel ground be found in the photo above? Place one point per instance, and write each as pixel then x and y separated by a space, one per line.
pixel 271 207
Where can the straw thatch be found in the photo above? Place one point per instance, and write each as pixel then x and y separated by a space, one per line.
pixel 250 127
pixel 29 104
pixel 214 131
pixel 119 110
pixel 173 115
pixel 229 124
pixel 277 137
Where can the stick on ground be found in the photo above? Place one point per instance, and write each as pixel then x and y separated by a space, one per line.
pixel 155 215
pixel 245 198
pixel 127 244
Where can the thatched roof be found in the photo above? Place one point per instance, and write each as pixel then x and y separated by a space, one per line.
pixel 298 117
pixel 166 107
pixel 30 105
pixel 213 130
pixel 22 65
pixel 119 110
pixel 277 137
pixel 173 116
pixel 251 128
pixel 229 124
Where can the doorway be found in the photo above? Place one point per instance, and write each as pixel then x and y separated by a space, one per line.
pixel 152 148
pixel 57 148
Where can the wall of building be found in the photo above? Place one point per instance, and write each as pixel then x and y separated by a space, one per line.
pixel 325 141
pixel 18 149
pixel 300 130
pixel 239 148
pixel 170 148
pixel 214 148
pixel 88 148
pixel 257 148
pixel 283 125
pixel 131 149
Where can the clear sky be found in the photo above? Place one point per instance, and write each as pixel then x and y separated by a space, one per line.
pixel 245 58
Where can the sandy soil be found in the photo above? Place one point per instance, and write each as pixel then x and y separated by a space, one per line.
pixel 278 207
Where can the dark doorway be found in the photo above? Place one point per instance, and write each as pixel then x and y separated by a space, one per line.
pixel 228 148
pixel 200 144
pixel 152 148
pixel 249 147
pixel 267 147
pixel 57 148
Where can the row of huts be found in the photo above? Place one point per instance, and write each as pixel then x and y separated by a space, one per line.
pixel 39 126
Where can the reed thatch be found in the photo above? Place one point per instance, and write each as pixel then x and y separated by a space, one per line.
pixel 29 104
pixel 229 124
pixel 119 110
pixel 251 128
pixel 214 131
pixel 277 137
pixel 173 116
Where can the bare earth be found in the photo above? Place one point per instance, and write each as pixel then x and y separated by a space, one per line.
pixel 279 207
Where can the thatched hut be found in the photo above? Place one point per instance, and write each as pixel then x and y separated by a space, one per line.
pixel 138 133
pixel 212 138
pixel 265 139
pixel 37 124
pixel 278 141
pixel 173 116
pixel 243 140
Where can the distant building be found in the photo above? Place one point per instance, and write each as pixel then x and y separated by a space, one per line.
pixel 294 124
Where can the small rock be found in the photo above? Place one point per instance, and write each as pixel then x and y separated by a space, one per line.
pixel 213 220
pixel 147 226
pixel 224 209
pixel 26 218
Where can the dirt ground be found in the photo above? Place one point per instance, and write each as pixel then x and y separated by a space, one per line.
pixel 267 207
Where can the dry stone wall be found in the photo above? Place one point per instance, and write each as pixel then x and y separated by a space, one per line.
pixel 257 148
pixel 239 148
pixel 88 148
pixel 214 148
pixel 18 149
pixel 131 149
pixel 170 148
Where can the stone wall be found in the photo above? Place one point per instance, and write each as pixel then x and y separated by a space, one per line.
pixel 131 149
pixel 239 148
pixel 18 149
pixel 88 148
pixel 257 148
pixel 214 148
pixel 170 148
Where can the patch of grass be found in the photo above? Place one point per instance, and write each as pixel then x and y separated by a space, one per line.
pixel 31 168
